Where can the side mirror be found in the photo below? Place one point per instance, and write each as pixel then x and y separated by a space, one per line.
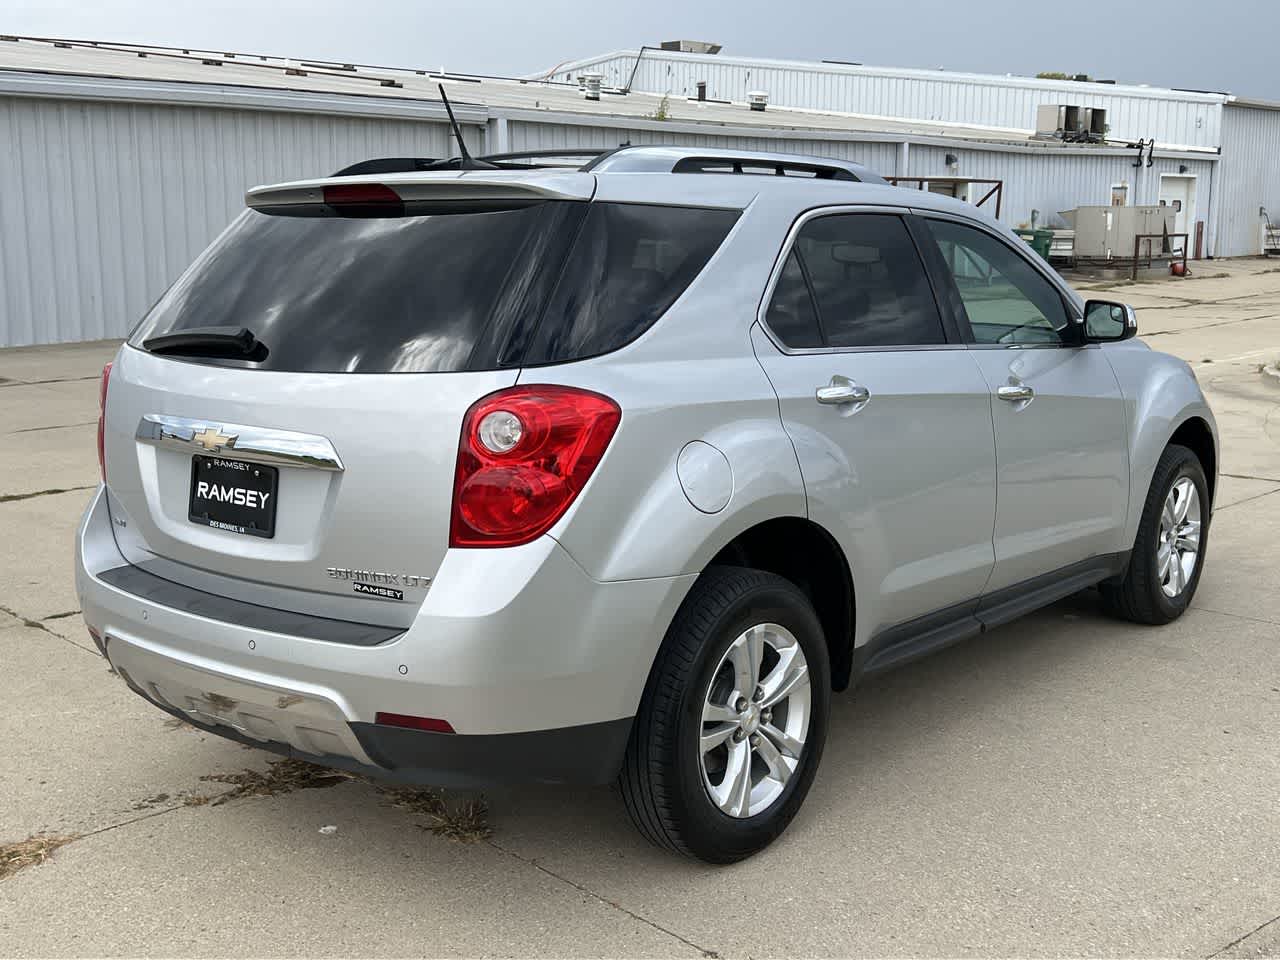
pixel 1107 322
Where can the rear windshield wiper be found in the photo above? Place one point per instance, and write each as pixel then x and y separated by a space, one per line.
pixel 232 342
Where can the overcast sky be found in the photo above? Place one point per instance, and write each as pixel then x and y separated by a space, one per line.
pixel 1229 45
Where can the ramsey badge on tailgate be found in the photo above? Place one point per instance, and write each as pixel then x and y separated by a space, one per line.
pixel 378 583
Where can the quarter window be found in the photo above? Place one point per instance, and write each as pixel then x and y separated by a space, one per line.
pixel 791 314
pixel 866 283
pixel 1006 299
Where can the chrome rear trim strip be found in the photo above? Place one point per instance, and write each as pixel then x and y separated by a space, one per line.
pixel 235 440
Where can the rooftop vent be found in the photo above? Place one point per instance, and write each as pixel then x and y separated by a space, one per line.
pixel 1074 124
pixel 757 100
pixel 691 46
pixel 590 85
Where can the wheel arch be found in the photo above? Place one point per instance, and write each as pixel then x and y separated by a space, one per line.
pixel 803 552
pixel 1196 435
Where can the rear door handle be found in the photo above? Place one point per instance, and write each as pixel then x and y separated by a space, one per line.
pixel 1015 392
pixel 842 390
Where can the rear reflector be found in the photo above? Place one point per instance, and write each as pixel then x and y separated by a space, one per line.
pixel 363 200
pixel 430 724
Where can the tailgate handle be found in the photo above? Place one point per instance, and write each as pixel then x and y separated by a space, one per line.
pixel 255 444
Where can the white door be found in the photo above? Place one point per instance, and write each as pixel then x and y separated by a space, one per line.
pixel 1179 191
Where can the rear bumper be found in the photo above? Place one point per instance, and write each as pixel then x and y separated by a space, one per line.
pixel 588 754
pixel 537 667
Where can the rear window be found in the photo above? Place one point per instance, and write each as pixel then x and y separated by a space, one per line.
pixel 551 282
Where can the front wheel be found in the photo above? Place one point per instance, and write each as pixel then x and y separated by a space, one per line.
pixel 733 720
pixel 1168 553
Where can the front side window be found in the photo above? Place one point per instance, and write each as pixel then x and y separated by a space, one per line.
pixel 1006 299
pixel 866 282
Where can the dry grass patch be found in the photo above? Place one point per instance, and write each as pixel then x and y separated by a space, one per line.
pixel 281 776
pixel 464 822
pixel 28 853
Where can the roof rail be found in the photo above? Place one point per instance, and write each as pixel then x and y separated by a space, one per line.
pixel 670 159
pixel 640 159
pixel 778 168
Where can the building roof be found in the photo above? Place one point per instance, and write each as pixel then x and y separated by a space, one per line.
pixel 907 73
pixel 120 71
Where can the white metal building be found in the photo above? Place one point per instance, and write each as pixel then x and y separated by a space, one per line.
pixel 119 163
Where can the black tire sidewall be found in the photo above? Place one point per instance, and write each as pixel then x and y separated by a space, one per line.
pixel 709 833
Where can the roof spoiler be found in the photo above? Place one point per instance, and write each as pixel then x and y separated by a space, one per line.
pixel 400 194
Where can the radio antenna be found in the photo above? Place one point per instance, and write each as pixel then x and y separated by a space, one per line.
pixel 466 161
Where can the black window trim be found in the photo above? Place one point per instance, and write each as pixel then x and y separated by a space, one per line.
pixel 954 303
pixel 950 330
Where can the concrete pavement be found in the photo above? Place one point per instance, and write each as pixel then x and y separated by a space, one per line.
pixel 1066 785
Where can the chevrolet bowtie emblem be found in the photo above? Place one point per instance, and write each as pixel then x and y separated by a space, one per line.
pixel 213 439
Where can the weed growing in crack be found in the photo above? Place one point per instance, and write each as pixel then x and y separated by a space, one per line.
pixel 281 776
pixel 30 852
pixel 464 822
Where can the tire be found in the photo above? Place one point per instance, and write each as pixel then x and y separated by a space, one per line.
pixel 667 780
pixel 1141 595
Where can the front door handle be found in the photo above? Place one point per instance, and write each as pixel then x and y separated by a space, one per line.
pixel 842 390
pixel 1015 392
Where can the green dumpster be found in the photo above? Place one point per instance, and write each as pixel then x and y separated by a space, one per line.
pixel 1038 240
pixel 1042 243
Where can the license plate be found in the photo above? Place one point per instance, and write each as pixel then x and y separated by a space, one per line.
pixel 233 495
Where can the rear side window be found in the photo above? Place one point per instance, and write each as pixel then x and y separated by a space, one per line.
pixel 791 315
pixel 440 293
pixel 868 282
pixel 629 264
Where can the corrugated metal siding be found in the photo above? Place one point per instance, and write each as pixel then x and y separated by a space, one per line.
pixel 1191 122
pixel 1250 178
pixel 102 205
pixel 1052 183
pixel 880 157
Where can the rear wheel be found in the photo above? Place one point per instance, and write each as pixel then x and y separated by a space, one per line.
pixel 1168 554
pixel 733 721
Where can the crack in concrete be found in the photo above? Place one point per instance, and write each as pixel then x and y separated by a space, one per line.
pixel 56 426
pixel 1234 616
pixel 36 383
pixel 38 625
pixel 1249 476
pixel 1208 326
pixel 595 896
pixel 1239 940
pixel 11 497
pixel 1257 496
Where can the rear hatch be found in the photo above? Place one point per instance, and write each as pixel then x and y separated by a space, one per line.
pixel 283 426
pixel 284 423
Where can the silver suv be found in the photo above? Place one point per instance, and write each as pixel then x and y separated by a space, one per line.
pixel 567 474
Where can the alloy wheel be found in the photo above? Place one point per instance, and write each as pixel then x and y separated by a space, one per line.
pixel 1178 545
pixel 755 718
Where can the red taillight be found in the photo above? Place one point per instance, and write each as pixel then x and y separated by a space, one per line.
pixel 525 454
pixel 364 200
pixel 430 724
pixel 102 421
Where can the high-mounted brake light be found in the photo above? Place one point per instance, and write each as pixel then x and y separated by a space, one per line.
pixel 364 200
pixel 525 454
pixel 102 421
